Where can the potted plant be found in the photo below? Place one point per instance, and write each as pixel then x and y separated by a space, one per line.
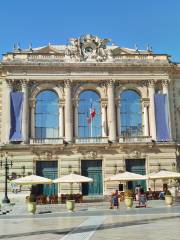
pixel 31 204
pixel 128 198
pixel 70 203
pixel 168 198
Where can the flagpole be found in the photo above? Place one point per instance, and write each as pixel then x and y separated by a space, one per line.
pixel 91 119
pixel 91 128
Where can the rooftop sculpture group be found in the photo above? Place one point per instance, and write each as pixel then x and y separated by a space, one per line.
pixel 88 48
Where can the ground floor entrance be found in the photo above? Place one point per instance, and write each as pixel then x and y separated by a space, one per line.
pixel 136 166
pixel 92 169
pixel 48 169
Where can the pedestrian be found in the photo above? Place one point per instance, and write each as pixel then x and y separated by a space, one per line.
pixel 137 192
pixel 115 200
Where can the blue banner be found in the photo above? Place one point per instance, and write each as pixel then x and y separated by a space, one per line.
pixel 16 116
pixel 162 119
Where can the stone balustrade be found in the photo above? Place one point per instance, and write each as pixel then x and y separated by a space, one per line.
pixel 46 141
pixel 134 139
pixel 92 140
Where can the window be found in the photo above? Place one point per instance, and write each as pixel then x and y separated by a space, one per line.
pixel 89 114
pixel 47 115
pixel 131 114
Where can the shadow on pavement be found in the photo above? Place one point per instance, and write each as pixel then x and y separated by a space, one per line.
pixel 87 229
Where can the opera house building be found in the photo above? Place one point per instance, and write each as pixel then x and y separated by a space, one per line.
pixel 88 107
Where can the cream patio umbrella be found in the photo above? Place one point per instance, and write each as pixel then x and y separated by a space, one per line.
pixel 32 180
pixel 126 177
pixel 72 178
pixel 163 174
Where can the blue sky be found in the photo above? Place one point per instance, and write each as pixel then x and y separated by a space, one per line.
pixel 126 22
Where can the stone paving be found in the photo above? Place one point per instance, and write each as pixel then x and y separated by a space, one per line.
pixel 93 221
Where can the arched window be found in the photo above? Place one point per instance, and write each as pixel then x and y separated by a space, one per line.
pixel 47 115
pixel 89 114
pixel 130 113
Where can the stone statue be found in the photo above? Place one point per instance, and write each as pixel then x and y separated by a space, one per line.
pixel 89 48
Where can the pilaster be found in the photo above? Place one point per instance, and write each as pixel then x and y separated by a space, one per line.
pixel 111 111
pixel 165 86
pixel 145 104
pixel 25 112
pixel 104 118
pixel 6 109
pixel 32 104
pixel 68 111
pixel 151 88
pixel 61 119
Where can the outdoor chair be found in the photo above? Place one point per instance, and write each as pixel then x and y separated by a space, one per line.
pixel 78 198
pixel 41 199
pixel 121 196
pixel 53 199
pixel 63 198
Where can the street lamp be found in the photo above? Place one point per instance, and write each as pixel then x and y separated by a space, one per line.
pixel 6 163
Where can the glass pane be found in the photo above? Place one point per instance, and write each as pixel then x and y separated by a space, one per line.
pixel 130 113
pixel 47 114
pixel 89 114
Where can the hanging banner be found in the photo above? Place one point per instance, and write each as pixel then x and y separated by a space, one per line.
pixel 16 99
pixel 162 119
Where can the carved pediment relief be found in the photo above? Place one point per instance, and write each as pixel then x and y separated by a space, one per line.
pixel 118 51
pixel 47 50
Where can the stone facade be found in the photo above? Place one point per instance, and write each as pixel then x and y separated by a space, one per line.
pixel 88 63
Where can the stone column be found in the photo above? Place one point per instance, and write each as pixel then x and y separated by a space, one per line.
pixel 152 109
pixel 103 119
pixel 25 113
pixel 118 105
pixel 32 109
pixel 145 116
pixel 68 112
pixel 111 111
pixel 61 120
pixel 7 109
pixel 165 85
pixel 76 105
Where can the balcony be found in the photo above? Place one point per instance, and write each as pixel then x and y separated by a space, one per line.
pixel 46 141
pixel 93 140
pixel 134 139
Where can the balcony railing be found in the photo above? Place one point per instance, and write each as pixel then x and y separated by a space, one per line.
pixel 93 140
pixel 46 141
pixel 134 139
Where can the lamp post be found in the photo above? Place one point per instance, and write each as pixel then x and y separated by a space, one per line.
pixel 6 163
pixel 23 169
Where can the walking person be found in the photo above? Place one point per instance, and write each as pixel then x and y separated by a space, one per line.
pixel 115 200
pixel 137 192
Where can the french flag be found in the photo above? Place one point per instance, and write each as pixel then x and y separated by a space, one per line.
pixel 92 115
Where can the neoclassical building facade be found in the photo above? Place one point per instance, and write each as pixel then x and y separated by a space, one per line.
pixel 91 108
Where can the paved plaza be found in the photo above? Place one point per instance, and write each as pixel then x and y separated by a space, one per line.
pixel 92 221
